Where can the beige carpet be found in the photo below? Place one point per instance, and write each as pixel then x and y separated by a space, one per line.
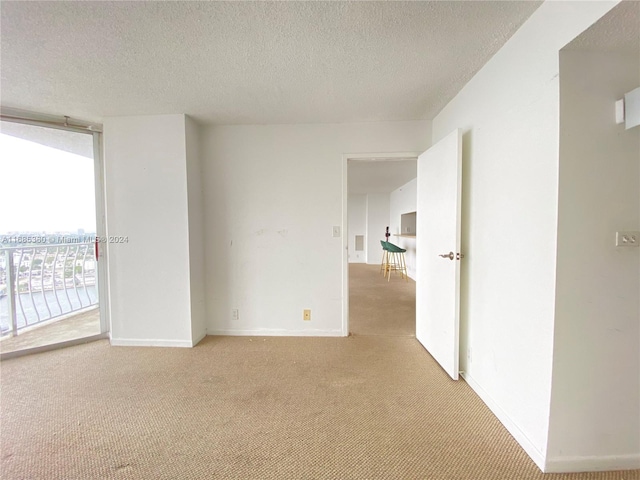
pixel 378 306
pixel 362 407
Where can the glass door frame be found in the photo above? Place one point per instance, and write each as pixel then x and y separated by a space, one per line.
pixel 101 233
pixel 95 130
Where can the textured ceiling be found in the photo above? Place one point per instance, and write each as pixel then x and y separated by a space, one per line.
pixel 248 62
pixel 617 31
pixel 379 176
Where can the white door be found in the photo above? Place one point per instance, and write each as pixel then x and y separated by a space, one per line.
pixel 438 251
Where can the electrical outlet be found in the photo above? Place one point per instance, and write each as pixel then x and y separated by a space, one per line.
pixel 235 314
pixel 469 354
pixel 627 239
pixel 306 315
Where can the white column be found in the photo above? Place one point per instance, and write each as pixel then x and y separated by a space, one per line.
pixel 148 205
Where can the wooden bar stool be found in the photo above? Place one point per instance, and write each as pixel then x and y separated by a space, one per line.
pixel 385 258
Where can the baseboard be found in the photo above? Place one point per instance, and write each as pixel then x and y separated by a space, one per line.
pixel 266 332
pixel 143 342
pixel 520 437
pixel 592 464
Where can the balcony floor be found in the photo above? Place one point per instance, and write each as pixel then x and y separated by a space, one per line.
pixel 83 324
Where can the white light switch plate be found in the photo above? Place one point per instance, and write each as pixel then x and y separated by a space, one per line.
pixel 336 231
pixel 627 239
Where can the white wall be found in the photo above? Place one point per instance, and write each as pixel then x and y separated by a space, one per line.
pixel 404 200
pixel 195 198
pixel 509 113
pixel 368 216
pixel 146 202
pixel 357 217
pixel 377 222
pixel 272 195
pixel 595 401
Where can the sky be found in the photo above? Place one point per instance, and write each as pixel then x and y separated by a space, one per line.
pixel 44 189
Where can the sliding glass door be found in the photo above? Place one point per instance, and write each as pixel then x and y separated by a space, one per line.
pixel 51 222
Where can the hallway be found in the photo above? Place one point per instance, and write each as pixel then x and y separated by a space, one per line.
pixel 378 306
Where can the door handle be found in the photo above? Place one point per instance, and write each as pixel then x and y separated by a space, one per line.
pixel 451 256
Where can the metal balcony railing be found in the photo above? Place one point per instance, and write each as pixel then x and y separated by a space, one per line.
pixel 43 282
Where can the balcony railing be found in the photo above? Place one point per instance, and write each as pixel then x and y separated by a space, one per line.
pixel 44 282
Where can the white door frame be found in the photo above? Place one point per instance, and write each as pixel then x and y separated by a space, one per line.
pixel 346 157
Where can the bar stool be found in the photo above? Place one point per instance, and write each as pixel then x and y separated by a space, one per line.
pixel 396 261
pixel 385 258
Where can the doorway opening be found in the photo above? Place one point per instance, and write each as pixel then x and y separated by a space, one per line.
pixel 378 190
pixel 51 270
